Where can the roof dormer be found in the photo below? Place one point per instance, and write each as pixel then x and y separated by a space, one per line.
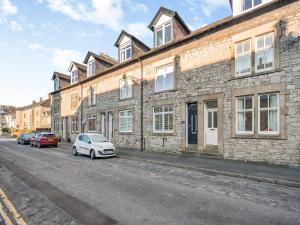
pixel 167 26
pixel 129 46
pixel 60 80
pixel 98 63
pixel 242 6
pixel 77 72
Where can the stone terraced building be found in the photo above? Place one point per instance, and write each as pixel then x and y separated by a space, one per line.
pixel 230 89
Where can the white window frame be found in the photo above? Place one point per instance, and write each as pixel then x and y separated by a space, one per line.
pixel 163 113
pixel 74 76
pixel 92 68
pixel 128 83
pixel 243 54
pixel 123 49
pixel 91 117
pixel 91 93
pixel 244 111
pixel 163 28
pixel 264 49
pixel 269 109
pixel 127 118
pixel 164 75
pixel 74 122
pixel 253 7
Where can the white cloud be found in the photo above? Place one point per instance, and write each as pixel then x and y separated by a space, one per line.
pixel 138 29
pixel 108 13
pixel 15 26
pixel 141 7
pixel 7 7
pixel 60 57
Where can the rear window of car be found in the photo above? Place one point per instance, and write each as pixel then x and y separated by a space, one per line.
pixel 29 135
pixel 48 135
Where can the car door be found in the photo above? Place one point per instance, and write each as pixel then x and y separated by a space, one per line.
pixel 79 144
pixel 86 145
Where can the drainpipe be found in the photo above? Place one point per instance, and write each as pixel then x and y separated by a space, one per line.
pixel 142 105
pixel 81 108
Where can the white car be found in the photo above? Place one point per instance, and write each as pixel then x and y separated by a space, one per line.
pixel 93 145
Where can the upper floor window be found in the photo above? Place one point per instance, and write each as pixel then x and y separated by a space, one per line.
pixel 268 113
pixel 264 56
pixel 164 78
pixel 125 51
pixel 74 76
pixel 249 4
pixel 92 68
pixel 56 84
pixel 125 88
pixel 92 96
pixel 56 105
pixel 163 34
pixel 243 58
pixel 74 98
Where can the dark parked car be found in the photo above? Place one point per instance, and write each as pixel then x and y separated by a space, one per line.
pixel 25 138
pixel 44 139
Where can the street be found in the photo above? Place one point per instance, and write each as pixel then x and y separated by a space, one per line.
pixel 51 186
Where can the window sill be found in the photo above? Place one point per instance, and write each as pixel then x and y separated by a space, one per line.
pixel 125 133
pixel 125 99
pixel 254 74
pixel 266 137
pixel 165 91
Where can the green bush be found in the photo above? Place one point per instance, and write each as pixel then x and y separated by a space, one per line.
pixel 5 130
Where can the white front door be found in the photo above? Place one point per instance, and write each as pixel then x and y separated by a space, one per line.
pixel 110 126
pixel 211 126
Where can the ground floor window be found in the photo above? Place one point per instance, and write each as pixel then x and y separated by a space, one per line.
pixel 91 123
pixel 125 121
pixel 74 124
pixel 56 126
pixel 268 115
pixel 244 115
pixel 163 119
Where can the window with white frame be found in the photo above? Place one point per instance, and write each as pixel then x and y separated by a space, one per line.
pixel 91 123
pixel 125 51
pixel 264 55
pixel 92 68
pixel 74 76
pixel 74 97
pixel 243 58
pixel 56 105
pixel 163 119
pixel 56 84
pixel 125 121
pixel 244 115
pixel 268 113
pixel 249 4
pixel 163 34
pixel 74 124
pixel 164 78
pixel 126 88
pixel 92 95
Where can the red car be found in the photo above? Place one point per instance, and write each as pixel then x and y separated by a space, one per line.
pixel 44 139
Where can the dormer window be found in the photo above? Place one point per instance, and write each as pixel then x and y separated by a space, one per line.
pixel 249 4
pixel 125 51
pixel 56 84
pixel 163 34
pixel 92 68
pixel 74 76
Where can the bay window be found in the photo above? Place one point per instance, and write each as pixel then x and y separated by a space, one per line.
pixel 163 119
pixel 244 115
pixel 125 121
pixel 164 78
pixel 163 34
pixel 268 113
pixel 125 88
pixel 243 58
pixel 264 56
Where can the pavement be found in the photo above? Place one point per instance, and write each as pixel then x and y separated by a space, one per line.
pixel 51 186
pixel 261 172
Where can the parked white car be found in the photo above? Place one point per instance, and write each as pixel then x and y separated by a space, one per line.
pixel 93 145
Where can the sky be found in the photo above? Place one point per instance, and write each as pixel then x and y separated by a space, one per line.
pixel 38 37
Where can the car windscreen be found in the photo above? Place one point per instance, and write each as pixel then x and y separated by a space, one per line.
pixel 29 135
pixel 98 138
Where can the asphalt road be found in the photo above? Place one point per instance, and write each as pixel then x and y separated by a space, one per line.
pixel 77 190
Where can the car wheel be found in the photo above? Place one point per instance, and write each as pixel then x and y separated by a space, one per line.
pixel 23 143
pixel 74 151
pixel 18 142
pixel 92 155
pixel 31 144
pixel 55 146
pixel 39 145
